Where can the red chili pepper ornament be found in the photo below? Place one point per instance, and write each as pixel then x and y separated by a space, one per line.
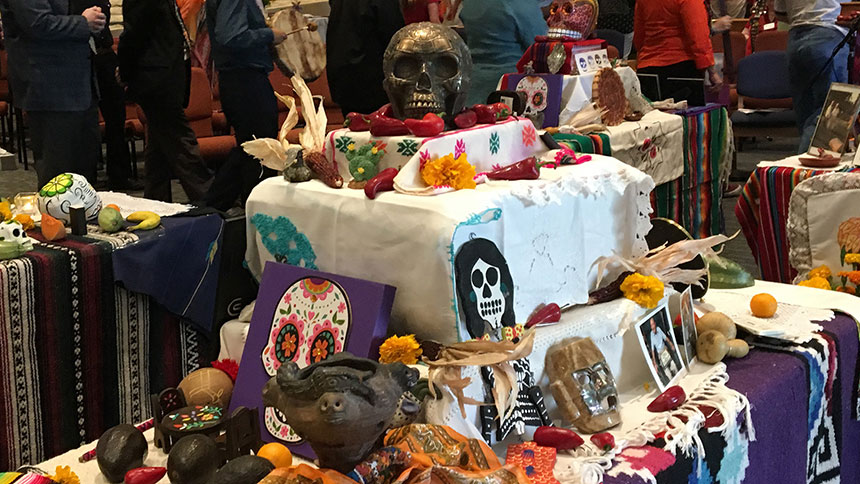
pixel 144 475
pixel 430 125
pixel 561 439
pixel 671 399
pixel 604 441
pixel 546 314
pixel 382 182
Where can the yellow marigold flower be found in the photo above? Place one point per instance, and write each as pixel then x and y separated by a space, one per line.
pixel 820 271
pixel 852 258
pixel 25 220
pixel 5 210
pixel 816 282
pixel 404 349
pixel 646 291
pixel 448 171
pixel 64 475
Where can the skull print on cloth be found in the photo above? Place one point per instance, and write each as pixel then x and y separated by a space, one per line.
pixel 575 19
pixel 427 69
pixel 537 97
pixel 485 288
pixel 310 324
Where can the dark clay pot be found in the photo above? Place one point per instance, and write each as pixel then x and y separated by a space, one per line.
pixel 247 469
pixel 193 460
pixel 120 449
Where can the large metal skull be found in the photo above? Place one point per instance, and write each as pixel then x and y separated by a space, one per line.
pixel 427 70
pixel 572 18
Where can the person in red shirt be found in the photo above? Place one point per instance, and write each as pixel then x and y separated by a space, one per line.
pixel 673 40
pixel 767 21
pixel 415 11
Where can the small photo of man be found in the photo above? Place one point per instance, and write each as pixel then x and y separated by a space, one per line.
pixel 661 350
pixel 688 326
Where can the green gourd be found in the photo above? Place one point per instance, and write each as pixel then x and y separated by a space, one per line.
pixel 726 274
pixel 110 220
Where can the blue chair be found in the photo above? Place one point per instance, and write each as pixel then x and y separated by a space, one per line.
pixel 764 97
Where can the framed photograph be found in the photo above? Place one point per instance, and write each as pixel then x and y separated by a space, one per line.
pixel 659 346
pixel 688 326
pixel 836 121
pixel 305 316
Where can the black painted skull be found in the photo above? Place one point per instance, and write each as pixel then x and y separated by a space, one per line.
pixel 427 69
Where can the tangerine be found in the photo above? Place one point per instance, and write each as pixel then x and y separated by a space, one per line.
pixel 763 305
pixel 113 206
pixel 278 454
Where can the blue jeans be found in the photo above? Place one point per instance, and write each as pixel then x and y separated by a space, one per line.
pixel 809 47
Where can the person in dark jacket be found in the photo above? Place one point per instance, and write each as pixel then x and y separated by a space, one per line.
pixel 358 33
pixel 111 101
pixel 241 50
pixel 51 76
pixel 154 60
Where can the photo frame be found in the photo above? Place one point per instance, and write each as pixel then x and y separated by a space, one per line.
pixel 305 316
pixel 659 346
pixel 836 121
pixel 688 326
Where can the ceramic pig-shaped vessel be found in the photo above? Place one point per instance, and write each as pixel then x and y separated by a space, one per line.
pixel 341 405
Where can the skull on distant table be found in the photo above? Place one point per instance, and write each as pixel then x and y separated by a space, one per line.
pixel 572 18
pixel 427 69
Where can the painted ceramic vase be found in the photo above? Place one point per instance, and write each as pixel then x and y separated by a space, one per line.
pixel 68 190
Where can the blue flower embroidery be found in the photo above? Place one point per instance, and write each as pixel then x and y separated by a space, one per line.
pixel 286 244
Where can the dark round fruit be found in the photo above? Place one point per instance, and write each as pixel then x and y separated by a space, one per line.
pixel 247 469
pixel 193 460
pixel 120 449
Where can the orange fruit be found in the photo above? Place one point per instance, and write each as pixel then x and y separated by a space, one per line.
pixel 763 305
pixel 113 206
pixel 278 454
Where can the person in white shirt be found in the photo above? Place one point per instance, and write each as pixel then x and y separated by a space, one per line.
pixel 663 353
pixel 811 40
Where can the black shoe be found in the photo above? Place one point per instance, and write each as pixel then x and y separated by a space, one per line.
pixel 125 185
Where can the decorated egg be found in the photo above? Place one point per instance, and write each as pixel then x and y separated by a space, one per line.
pixel 207 386
pixel 68 190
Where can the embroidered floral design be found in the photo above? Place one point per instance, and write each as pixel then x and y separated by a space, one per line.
pixel 286 244
pixel 407 147
pixel 495 143
pixel 342 144
pixel 459 148
pixel 423 158
pixel 529 135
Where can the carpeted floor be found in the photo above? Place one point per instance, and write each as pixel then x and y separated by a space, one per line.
pixel 20 180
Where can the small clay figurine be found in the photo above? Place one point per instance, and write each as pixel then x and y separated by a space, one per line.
pixel 341 405
pixel 120 449
pixel 583 386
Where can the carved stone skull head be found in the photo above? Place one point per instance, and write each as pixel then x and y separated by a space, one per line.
pixel 427 69
pixel 583 385
pixel 572 18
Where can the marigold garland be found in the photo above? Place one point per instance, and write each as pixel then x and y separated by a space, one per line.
pixel 852 258
pixel 646 291
pixel 820 271
pixel 5 210
pixel 65 475
pixel 404 349
pixel 816 282
pixel 853 276
pixel 449 171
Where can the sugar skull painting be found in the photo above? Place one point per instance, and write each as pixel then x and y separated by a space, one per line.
pixel 310 324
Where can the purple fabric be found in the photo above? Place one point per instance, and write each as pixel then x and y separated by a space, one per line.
pixel 776 384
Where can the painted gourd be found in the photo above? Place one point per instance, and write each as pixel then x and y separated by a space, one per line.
pixel 65 191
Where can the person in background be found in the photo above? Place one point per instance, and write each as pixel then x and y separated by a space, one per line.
pixel 734 8
pixel 51 74
pixel 241 47
pixel 766 22
pixel 498 32
pixel 811 39
pixel 111 102
pixel 358 34
pixel 672 38
pixel 617 15
pixel 415 11
pixel 154 62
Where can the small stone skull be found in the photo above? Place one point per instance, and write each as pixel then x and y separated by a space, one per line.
pixel 572 18
pixel 427 69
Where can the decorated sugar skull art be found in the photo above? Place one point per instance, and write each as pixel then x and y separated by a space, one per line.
pixel 65 191
pixel 13 231
pixel 575 19
pixel 485 288
pixel 310 324
pixel 427 69
pixel 583 386
pixel 536 91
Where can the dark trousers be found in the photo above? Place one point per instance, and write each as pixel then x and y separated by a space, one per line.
pixel 171 150
pixel 65 142
pixel 249 103
pixel 686 69
pixel 112 106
